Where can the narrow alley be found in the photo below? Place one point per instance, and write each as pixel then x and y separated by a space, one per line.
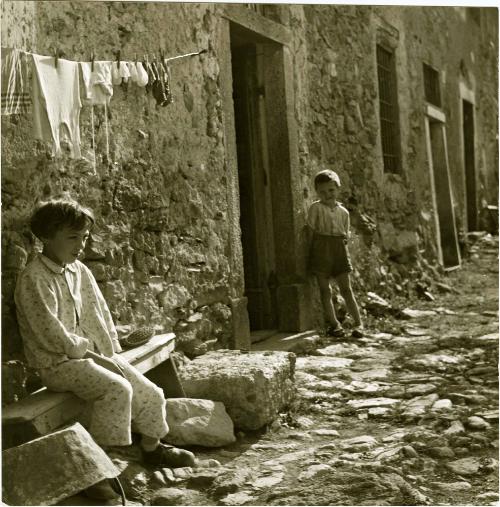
pixel 407 415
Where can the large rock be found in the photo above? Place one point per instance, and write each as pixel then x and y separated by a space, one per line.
pixel 53 467
pixel 254 386
pixel 198 422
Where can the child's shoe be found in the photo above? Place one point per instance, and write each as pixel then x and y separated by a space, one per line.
pixel 169 456
pixel 336 332
pixel 357 332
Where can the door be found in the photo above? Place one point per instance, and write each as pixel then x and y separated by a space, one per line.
pixel 469 164
pixel 256 213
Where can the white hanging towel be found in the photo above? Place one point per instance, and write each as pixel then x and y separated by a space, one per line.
pixel 97 84
pixel 56 103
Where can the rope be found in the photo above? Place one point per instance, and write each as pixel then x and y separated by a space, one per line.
pixel 122 493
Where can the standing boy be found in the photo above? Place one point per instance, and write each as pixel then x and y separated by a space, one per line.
pixel 69 337
pixel 329 257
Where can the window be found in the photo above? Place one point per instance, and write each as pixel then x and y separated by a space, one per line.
pixel 389 113
pixel 431 86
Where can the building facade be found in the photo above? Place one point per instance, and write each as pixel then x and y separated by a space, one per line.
pixel 201 204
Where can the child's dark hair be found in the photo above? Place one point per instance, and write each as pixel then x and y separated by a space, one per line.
pixel 54 214
pixel 326 176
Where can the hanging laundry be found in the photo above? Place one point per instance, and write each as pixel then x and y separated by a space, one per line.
pixel 152 77
pixel 119 73
pixel 160 84
pixel 97 90
pixel 133 72
pixel 56 103
pixel 97 85
pixel 142 75
pixel 15 91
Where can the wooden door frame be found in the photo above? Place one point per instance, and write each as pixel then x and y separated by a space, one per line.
pixel 435 115
pixel 294 312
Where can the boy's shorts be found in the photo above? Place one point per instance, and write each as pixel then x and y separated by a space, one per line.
pixel 329 255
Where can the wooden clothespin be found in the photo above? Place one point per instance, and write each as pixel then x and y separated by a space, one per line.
pixel 135 56
pixel 118 57
pixel 56 57
pixel 92 57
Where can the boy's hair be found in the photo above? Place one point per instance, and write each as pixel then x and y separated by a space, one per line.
pixel 325 176
pixel 54 214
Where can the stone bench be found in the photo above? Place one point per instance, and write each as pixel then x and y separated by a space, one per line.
pixel 44 411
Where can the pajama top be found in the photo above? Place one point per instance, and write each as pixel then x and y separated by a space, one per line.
pixel 328 221
pixel 62 313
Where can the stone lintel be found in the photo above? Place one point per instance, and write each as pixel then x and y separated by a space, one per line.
pixel 258 24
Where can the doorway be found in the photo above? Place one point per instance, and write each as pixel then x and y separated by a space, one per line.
pixel 469 164
pixel 255 180
pixel 443 203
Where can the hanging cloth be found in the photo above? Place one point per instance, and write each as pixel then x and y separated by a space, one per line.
pixel 97 90
pixel 15 93
pixel 56 103
pixel 97 84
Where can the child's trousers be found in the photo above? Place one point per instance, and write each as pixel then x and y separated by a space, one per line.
pixel 118 403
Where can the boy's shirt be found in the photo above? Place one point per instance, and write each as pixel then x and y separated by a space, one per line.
pixel 62 313
pixel 329 221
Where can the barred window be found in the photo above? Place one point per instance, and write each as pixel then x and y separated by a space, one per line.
pixel 389 113
pixel 431 86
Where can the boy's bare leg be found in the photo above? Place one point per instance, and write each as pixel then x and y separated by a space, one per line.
pixel 344 284
pixel 325 291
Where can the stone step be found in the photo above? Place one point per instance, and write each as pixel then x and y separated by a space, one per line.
pixel 283 341
pixel 254 386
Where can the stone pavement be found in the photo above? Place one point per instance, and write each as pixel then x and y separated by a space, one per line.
pixel 407 415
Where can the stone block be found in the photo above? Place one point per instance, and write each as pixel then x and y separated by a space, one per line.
pixel 240 324
pixel 198 422
pixel 53 467
pixel 293 307
pixel 254 386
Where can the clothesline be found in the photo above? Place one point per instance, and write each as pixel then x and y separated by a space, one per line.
pixel 58 55
pixel 56 93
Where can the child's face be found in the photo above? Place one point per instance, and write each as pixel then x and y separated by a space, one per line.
pixel 327 191
pixel 66 245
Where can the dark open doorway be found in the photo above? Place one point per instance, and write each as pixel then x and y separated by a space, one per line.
pixel 256 202
pixel 469 164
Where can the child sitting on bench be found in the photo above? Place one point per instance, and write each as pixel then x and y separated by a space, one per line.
pixel 69 337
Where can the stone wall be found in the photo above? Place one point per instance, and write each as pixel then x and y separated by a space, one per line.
pixel 159 248
pixel 166 248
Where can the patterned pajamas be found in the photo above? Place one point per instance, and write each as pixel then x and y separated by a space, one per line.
pixel 62 314
pixel 119 404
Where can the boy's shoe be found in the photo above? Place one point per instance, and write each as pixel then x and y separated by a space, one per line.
pixel 357 332
pixel 336 332
pixel 101 491
pixel 168 456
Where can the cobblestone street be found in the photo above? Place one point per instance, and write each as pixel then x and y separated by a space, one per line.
pixel 407 415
